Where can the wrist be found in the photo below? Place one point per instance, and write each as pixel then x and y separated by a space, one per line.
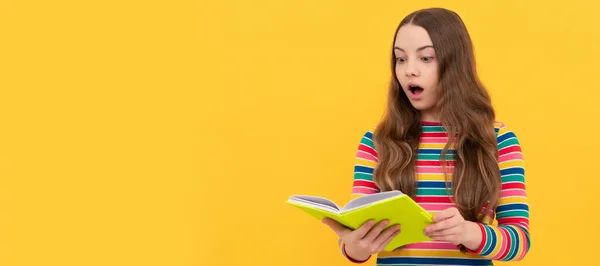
pixel 355 255
pixel 473 237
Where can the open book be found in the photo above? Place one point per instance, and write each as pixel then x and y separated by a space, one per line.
pixel 394 206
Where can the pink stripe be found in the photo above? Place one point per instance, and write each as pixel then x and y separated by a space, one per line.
pixel 432 245
pixel 524 224
pixel 510 156
pixel 366 156
pixel 363 190
pixel 433 170
pixel 434 140
pixel 505 242
pixel 436 207
pixel 514 192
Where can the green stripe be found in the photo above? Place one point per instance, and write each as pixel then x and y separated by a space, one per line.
pixel 432 192
pixel 367 142
pixel 508 142
pixel 488 241
pixel 363 176
pixel 518 213
pixel 435 157
pixel 513 247
pixel 433 129
pixel 513 178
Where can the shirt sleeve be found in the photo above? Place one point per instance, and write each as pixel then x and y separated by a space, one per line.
pixel 507 239
pixel 364 165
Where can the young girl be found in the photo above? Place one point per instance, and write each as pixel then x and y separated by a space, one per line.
pixel 440 144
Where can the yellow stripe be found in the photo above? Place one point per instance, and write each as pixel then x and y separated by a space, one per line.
pixel 494 223
pixel 505 200
pixel 487 220
pixel 433 177
pixel 500 127
pixel 513 163
pixel 432 145
pixel 426 253
pixel 365 162
pixel 499 240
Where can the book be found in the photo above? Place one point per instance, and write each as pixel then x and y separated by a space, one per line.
pixel 396 207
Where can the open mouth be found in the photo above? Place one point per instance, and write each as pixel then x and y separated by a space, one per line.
pixel 415 89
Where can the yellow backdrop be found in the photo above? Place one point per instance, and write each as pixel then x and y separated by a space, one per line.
pixel 171 133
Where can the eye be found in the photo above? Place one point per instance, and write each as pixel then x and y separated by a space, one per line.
pixel 427 58
pixel 400 59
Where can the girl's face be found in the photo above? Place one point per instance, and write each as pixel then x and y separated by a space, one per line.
pixel 417 69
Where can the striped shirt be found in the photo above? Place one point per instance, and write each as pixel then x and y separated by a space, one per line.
pixel 505 232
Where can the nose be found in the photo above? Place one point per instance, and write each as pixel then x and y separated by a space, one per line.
pixel 412 69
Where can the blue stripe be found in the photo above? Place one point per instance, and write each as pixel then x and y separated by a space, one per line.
pixel 369 135
pixel 514 243
pixel 432 184
pixel 512 207
pixel 362 169
pixel 432 261
pixel 512 171
pixel 435 151
pixel 491 234
pixel 506 136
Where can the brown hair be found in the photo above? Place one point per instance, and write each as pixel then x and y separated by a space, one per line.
pixel 466 113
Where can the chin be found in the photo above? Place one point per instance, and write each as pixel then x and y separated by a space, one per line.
pixel 422 106
pixel 419 106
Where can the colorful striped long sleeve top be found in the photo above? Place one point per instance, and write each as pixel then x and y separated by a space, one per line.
pixel 505 232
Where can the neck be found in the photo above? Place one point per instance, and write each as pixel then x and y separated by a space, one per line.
pixel 430 116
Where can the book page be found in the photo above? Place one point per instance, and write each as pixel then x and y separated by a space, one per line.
pixel 313 200
pixel 369 199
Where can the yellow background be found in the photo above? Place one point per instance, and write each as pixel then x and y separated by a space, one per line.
pixel 172 132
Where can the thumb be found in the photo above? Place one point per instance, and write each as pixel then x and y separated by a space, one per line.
pixel 338 228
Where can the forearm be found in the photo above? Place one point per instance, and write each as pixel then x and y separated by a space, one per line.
pixel 505 242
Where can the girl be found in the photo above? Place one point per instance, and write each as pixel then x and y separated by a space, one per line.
pixel 440 144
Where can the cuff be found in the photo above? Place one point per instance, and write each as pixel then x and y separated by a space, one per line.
pixel 351 259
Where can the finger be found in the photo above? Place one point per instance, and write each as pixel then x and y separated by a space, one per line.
pixel 439 226
pixel 375 231
pixel 386 234
pixel 338 228
pixel 446 232
pixel 445 214
pixel 386 241
pixel 444 224
pixel 360 232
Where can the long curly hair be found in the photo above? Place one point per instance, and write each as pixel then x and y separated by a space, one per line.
pixel 466 113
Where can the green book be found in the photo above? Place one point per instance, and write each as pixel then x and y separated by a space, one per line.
pixel 394 206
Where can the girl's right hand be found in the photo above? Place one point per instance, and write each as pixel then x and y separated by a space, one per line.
pixel 368 239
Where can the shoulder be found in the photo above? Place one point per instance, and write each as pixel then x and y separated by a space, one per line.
pixel 506 138
pixel 503 132
pixel 500 127
pixel 366 147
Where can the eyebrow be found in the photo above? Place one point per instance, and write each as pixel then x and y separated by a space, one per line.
pixel 418 49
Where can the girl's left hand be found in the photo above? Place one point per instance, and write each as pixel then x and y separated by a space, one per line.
pixel 448 225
